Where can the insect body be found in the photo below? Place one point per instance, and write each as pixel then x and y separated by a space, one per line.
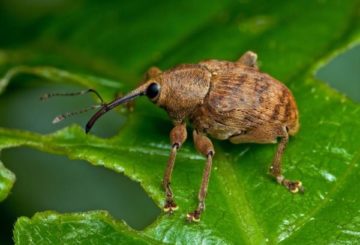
pixel 226 100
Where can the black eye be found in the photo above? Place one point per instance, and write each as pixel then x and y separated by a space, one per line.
pixel 153 90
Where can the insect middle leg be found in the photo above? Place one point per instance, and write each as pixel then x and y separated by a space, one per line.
pixel 178 136
pixel 275 168
pixel 205 147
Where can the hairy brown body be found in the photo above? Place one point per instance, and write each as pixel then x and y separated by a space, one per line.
pixel 226 100
pixel 245 105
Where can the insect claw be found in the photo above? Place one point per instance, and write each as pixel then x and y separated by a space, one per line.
pixel 170 210
pixel 170 207
pixel 193 217
pixel 294 186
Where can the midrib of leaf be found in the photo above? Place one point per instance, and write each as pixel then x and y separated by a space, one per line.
pixel 243 216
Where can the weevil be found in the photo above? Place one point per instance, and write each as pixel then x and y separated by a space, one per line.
pixel 226 100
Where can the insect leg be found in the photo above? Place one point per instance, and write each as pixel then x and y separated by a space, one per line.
pixel 248 59
pixel 205 147
pixel 275 168
pixel 178 136
pixel 152 73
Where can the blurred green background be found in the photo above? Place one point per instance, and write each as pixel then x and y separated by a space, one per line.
pixel 65 185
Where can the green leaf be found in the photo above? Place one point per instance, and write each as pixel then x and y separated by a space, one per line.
pixel 244 205
pixel 97 227
pixel 7 179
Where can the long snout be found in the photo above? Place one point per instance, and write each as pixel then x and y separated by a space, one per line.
pixel 118 101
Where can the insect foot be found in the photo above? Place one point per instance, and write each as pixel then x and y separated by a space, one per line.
pixel 170 206
pixel 194 216
pixel 275 168
pixel 293 186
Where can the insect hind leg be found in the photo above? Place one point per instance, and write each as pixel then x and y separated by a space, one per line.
pixel 203 145
pixel 276 170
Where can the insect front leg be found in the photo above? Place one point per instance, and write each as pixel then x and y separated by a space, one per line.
pixel 205 147
pixel 178 136
pixel 152 72
pixel 275 168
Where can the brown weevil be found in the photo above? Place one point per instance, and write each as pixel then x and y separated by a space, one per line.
pixel 227 100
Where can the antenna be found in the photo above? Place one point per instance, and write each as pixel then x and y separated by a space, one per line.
pixel 49 95
pixel 61 117
pixel 65 115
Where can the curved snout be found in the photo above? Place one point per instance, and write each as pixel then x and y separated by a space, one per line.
pixel 118 101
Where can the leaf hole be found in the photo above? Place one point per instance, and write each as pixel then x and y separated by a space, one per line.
pixel 22 108
pixel 342 73
pixel 52 182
